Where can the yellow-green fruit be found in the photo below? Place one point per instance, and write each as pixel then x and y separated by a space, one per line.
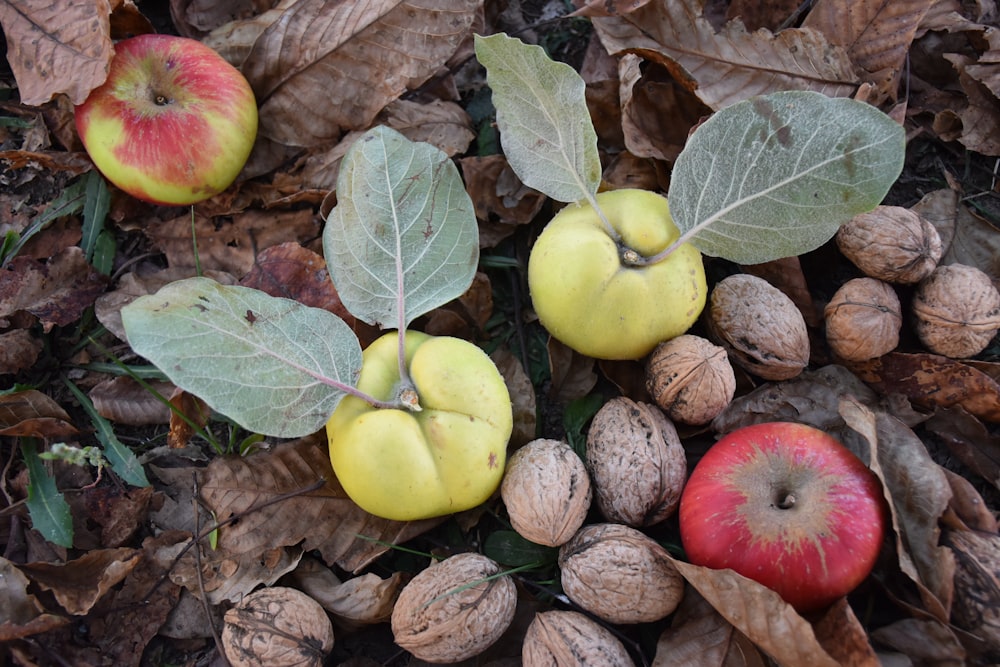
pixel 588 299
pixel 448 457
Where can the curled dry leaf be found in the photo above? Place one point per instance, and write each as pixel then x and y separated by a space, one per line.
pixel 319 69
pixel 546 491
pixel 863 319
pixel 759 326
pixel 619 574
pixel 279 627
pixel 569 638
pixel 976 607
pixel 891 243
pixel 454 610
pixel 957 310
pixel 637 462
pixel 691 379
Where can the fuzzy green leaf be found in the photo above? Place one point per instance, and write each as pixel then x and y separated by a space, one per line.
pixel 545 126
pixel 273 365
pixel 776 175
pixel 403 238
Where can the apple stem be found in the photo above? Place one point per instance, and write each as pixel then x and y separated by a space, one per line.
pixel 785 500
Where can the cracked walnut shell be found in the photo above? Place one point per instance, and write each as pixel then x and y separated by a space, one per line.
pixel 891 243
pixel 619 574
pixel 637 462
pixel 570 638
pixel 691 378
pixel 277 626
pixel 759 326
pixel 863 320
pixel 957 311
pixel 547 492
pixel 450 612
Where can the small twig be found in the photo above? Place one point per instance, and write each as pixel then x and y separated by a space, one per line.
pixel 315 486
pixel 201 578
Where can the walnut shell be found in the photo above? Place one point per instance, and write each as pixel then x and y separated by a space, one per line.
pixel 277 626
pixel 863 320
pixel 691 379
pixel 567 638
pixel 547 492
pixel 759 326
pixel 957 311
pixel 637 462
pixel 448 613
pixel 619 574
pixel 891 243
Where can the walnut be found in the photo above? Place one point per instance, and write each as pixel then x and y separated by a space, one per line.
pixel 691 379
pixel 547 492
pixel 863 320
pixel 759 327
pixel 891 243
pixel 619 574
pixel 957 311
pixel 450 611
pixel 637 462
pixel 570 638
pixel 277 626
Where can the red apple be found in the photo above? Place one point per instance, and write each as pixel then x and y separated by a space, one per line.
pixel 788 506
pixel 174 122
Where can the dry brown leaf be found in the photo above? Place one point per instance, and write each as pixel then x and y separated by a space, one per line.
pixel 231 245
pixel 21 614
pixel 657 111
pixel 918 493
pixel 80 583
pixel 358 601
pixel 56 292
pixel 811 398
pixel 125 401
pixel 968 505
pixel 976 242
pixel 923 641
pixel 501 200
pixel 323 519
pixel 699 635
pixel 760 614
pixel 193 18
pixel 522 396
pixel 439 123
pixel 969 441
pixel 32 414
pixel 876 34
pixel 572 373
pixel 321 68
pixel 118 511
pixel 19 349
pixel 931 380
pixel 189 414
pixel 941 209
pixel 731 65
pixel 608 7
pixel 770 14
pixel 55 47
pixel 840 632
pixel 980 119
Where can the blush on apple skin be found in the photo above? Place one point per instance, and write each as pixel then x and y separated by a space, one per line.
pixel 788 506
pixel 173 124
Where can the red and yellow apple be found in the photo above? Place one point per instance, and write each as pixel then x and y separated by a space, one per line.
pixel 447 457
pixel 588 297
pixel 173 123
pixel 788 506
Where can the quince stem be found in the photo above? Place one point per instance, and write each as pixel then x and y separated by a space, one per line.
pixel 608 227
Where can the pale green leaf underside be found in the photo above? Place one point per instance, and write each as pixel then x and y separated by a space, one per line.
pixel 403 238
pixel 545 127
pixel 777 175
pixel 265 362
